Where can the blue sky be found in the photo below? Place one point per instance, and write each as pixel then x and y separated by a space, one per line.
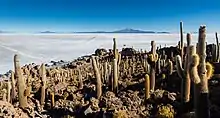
pixel 108 15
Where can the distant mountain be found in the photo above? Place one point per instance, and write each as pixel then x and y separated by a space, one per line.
pixel 128 30
pixel 6 31
pixel 48 32
pixel 163 32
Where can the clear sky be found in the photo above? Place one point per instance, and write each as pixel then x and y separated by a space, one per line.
pixel 108 15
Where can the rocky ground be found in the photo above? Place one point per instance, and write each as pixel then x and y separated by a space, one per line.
pixel 69 97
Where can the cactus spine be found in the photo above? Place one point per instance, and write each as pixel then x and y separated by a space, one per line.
pixel 98 78
pixel 21 83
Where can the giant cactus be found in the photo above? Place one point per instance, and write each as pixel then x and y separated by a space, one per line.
pixel 98 78
pixel 217 48
pixel 21 83
pixel 80 79
pixel 43 86
pixel 153 57
pixel 116 62
pixel 9 91
pixel 201 76
pixel 147 87
pixel 181 40
pixel 184 73
pixel 115 76
pixel 13 92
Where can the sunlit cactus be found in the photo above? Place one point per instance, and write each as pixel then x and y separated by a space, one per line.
pixel 21 83
pixel 80 79
pixel 181 40
pixel 43 86
pixel 9 91
pixel 98 78
pixel 152 59
pixel 13 92
pixel 201 77
pixel 183 73
pixel 115 76
pixel 170 67
pixel 147 87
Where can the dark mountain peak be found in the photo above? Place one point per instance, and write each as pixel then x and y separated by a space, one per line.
pixel 47 32
pixel 129 30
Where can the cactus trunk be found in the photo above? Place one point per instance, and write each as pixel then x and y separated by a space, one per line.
pixel 21 83
pixel 98 78
pixel 13 92
pixel 147 87
pixel 202 108
pixel 181 40
pixel 115 76
pixel 43 79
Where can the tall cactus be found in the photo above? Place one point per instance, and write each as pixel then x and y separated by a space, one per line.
pixel 153 57
pixel 43 87
pixel 115 51
pixel 201 77
pixel 170 67
pixel 98 78
pixel 13 92
pixel 116 62
pixel 9 91
pixel 218 48
pixel 105 71
pixel 184 74
pixel 21 83
pixel 147 87
pixel 115 76
pixel 181 40
pixel 52 99
pixel 80 79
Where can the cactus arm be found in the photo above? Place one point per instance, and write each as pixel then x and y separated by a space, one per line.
pixel 179 67
pixel 194 71
pixel 170 67
pixel 210 70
